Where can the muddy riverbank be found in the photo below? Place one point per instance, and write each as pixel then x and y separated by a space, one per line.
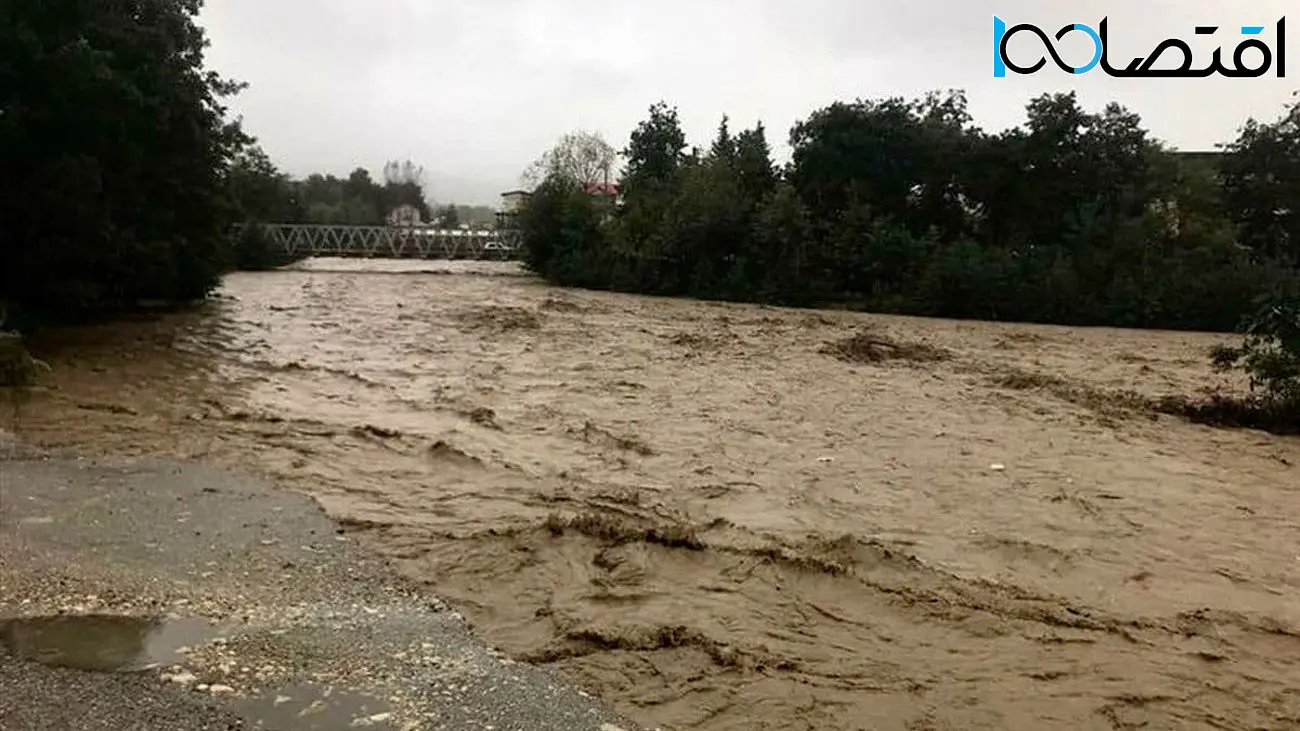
pixel 736 517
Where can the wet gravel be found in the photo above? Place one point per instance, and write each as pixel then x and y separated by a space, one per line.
pixel 36 697
pixel 304 630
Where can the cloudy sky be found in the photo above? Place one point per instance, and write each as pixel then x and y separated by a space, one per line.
pixel 476 89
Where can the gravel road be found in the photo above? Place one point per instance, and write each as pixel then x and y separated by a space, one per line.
pixel 264 615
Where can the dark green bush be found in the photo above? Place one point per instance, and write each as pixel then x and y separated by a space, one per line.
pixel 1270 354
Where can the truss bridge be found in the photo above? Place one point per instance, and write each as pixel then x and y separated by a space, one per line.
pixel 302 240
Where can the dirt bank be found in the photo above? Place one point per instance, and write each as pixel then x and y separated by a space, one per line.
pixel 734 517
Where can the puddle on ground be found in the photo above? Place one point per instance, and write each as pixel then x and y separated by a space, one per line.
pixel 116 643
pixel 308 707
pixel 103 642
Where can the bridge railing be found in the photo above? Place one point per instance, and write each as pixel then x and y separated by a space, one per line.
pixel 298 240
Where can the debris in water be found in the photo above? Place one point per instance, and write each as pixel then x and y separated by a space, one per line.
pixel 869 346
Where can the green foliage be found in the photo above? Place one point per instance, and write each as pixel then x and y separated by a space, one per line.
pixel 1261 183
pixel 450 216
pixel 1074 218
pixel 753 164
pixel 562 233
pixel 655 153
pixel 123 177
pixel 259 192
pixel 253 249
pixel 1270 354
pixel 113 150
pixel 358 199
pixel 779 259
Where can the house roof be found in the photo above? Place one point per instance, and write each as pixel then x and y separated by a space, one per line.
pixel 601 188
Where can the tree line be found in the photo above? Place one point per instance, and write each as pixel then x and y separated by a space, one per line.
pixel 1076 217
pixel 122 172
pixel 261 193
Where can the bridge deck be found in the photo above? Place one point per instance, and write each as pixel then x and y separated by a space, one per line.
pixel 390 242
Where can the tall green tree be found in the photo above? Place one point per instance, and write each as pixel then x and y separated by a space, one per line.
pixel 1261 180
pixel 753 163
pixel 867 151
pixel 114 148
pixel 724 145
pixel 656 151
pixel 259 191
pixel 655 156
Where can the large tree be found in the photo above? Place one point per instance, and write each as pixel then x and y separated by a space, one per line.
pixel 656 151
pixel 582 156
pixel 1261 181
pixel 114 148
pixel 260 192
pixel 404 186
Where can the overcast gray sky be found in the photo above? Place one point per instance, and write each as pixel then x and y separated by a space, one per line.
pixel 476 89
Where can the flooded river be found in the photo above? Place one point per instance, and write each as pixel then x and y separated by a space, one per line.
pixel 714 517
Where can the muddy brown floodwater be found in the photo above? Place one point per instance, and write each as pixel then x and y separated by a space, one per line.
pixel 737 517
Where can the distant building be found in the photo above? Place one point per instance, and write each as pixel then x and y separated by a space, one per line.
pixel 404 215
pixel 606 189
pixel 513 200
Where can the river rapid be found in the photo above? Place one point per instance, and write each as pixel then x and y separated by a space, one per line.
pixel 722 516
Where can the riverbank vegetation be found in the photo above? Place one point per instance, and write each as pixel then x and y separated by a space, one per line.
pixel 261 192
pixel 1076 217
pixel 124 174
pixel 114 143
